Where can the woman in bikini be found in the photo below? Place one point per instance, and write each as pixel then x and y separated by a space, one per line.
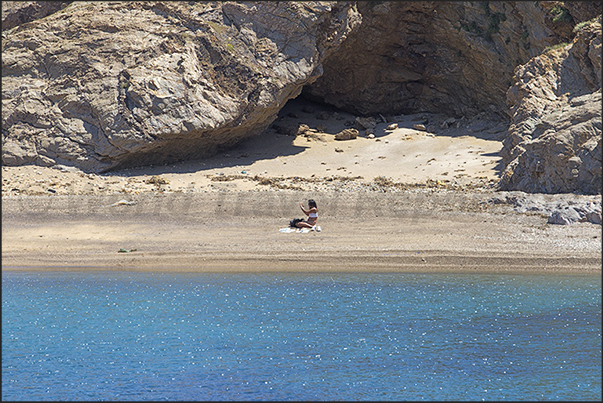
pixel 312 214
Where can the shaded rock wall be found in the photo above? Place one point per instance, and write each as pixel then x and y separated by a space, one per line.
pixel 554 142
pixel 15 13
pixel 102 85
pixel 451 57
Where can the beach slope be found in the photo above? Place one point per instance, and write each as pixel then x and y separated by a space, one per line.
pixel 437 231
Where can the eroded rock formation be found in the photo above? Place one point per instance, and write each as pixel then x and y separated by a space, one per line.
pixel 102 85
pixel 554 142
pixel 106 84
pixel 451 57
pixel 15 13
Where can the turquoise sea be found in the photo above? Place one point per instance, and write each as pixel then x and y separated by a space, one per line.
pixel 406 336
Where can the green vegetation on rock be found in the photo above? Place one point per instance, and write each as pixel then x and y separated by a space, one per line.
pixel 561 14
pixel 554 47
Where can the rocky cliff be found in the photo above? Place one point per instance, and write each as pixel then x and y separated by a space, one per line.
pixel 101 85
pixel 451 57
pixel 554 141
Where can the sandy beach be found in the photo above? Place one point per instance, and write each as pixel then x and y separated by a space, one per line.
pixel 240 232
pixel 405 200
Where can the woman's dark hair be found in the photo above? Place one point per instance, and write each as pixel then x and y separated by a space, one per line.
pixel 312 203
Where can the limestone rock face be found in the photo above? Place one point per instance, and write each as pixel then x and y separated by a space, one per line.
pixel 554 140
pixel 20 12
pixel 441 57
pixel 102 85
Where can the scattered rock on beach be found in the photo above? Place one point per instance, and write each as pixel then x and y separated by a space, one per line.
pixel 447 123
pixel 365 123
pixel 561 209
pixel 124 203
pixel 347 134
pixel 303 129
pixel 565 216
pixel 287 130
pixel 157 180
pixel 595 217
pixel 419 126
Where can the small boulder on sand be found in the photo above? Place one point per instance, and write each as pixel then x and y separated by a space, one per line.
pixel 365 123
pixel 347 134
pixel 287 130
pixel 303 129
pixel 447 123
pixel 419 126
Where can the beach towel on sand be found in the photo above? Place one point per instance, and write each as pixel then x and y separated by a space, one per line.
pixel 300 230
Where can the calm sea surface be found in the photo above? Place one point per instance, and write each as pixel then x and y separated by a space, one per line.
pixel 149 336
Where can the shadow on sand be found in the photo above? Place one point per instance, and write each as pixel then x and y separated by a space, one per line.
pixel 327 121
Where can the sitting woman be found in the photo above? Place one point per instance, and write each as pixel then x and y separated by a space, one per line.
pixel 311 212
